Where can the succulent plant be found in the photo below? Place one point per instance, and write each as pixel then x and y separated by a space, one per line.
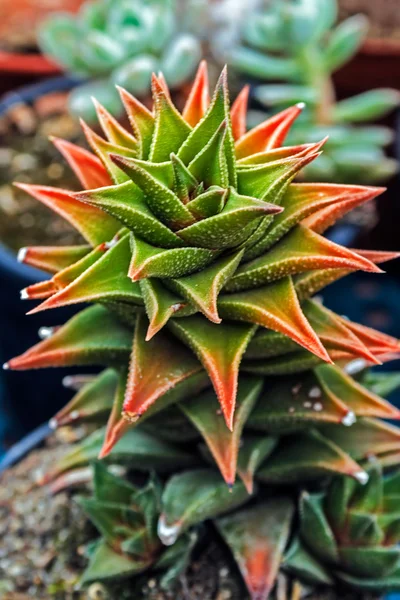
pixel 122 42
pixel 351 532
pixel 127 516
pixel 200 261
pixel 295 45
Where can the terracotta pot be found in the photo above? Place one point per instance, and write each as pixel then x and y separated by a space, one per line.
pixel 376 65
pixel 20 18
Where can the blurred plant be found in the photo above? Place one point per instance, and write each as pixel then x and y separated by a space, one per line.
pixel 295 41
pixel 122 42
pixel 200 261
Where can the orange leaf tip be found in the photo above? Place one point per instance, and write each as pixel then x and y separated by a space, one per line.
pixel 24 294
pixel 6 366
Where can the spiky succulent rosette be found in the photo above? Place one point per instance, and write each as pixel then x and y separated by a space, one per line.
pixel 201 259
pixel 200 245
pixel 351 532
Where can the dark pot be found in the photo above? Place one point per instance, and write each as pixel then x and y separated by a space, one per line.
pixel 29 397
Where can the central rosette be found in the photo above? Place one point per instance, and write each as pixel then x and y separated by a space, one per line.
pixel 195 225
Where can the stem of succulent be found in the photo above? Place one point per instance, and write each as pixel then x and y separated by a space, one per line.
pixel 319 80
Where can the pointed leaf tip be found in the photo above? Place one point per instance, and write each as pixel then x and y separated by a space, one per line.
pixel 239 113
pixel 269 134
pixel 86 166
pixel 199 97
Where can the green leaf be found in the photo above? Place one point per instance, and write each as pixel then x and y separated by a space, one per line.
pixel 109 487
pixel 368 106
pixel 293 362
pixel 106 280
pixel 114 131
pixel 160 304
pixel 176 558
pixel 141 120
pixel 295 402
pixel 223 444
pixel 368 498
pixel 157 366
pixel 267 343
pixel 269 181
pixel 257 538
pixel 126 203
pixel 253 452
pixel 80 342
pixel 209 203
pixel 274 306
pixel 135 74
pixel 202 289
pixel 108 517
pixel 160 199
pixel 337 501
pixel 315 529
pixel 300 250
pixel 344 41
pixel 194 496
pixel 105 151
pixel 263 66
pixel 390 582
pixel 181 57
pixel 341 387
pixel 137 449
pixel 217 112
pixel 364 529
pixel 184 182
pixel 382 383
pixel 105 564
pixel 364 562
pixel 220 349
pixel 151 261
pixel 92 402
pixel 209 165
pixel 368 437
pixel 52 258
pixel 232 226
pixel 302 200
pixel 170 130
pixel 307 456
pixel 286 95
pixel 91 222
pixel 305 566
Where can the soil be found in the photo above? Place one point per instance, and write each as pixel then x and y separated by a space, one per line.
pixel 384 16
pixel 27 155
pixel 43 539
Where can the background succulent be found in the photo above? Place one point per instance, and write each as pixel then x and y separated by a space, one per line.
pixel 223 374
pixel 122 42
pixel 296 45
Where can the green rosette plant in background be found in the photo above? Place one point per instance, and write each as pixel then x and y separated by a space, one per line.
pixel 296 46
pixel 122 42
pixel 223 375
